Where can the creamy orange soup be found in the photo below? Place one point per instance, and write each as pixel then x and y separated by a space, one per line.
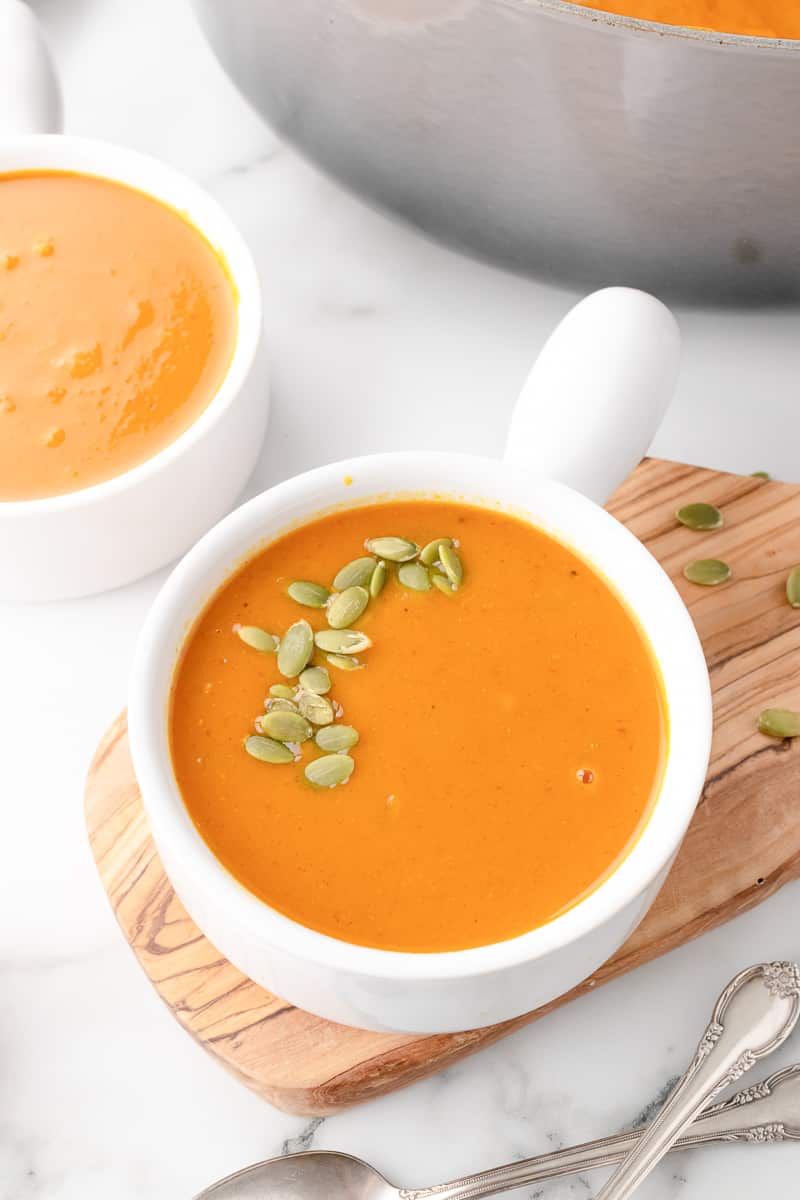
pixel 754 18
pixel 117 325
pixel 511 734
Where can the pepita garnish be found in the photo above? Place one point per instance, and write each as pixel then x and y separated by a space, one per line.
pixel 259 639
pixel 281 704
pixel 355 573
pixel 378 580
pixel 700 516
pixel 394 548
pixel 315 679
pixel 282 691
pixel 296 648
pixel 267 750
pixel 286 726
pixel 413 575
pixel 335 738
pixel 312 595
pixel 345 662
pixel 451 564
pixel 346 607
pixel 316 709
pixel 430 554
pixel 442 583
pixel 708 572
pixel 342 641
pixel 329 771
pixel 779 723
pixel 793 587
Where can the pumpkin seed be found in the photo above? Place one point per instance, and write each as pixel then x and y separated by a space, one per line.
pixel 281 704
pixel 316 709
pixel 442 583
pixel 267 750
pixel 329 771
pixel 355 573
pixel 394 548
pixel 378 580
pixel 295 649
pixel 342 641
pixel 779 723
pixel 282 691
pixel 761 475
pixel 347 606
pixel 700 516
pixel 286 727
pixel 335 738
pixel 312 595
pixel 344 662
pixel 258 638
pixel 793 587
pixel 315 679
pixel 413 575
pixel 451 565
pixel 430 554
pixel 708 572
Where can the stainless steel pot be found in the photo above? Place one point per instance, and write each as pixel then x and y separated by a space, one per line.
pixel 540 135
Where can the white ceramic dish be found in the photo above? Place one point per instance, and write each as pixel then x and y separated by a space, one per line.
pixel 109 534
pixel 593 400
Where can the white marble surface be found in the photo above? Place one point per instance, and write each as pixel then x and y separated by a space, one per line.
pixel 378 339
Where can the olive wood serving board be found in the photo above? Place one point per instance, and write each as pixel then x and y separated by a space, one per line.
pixel 743 844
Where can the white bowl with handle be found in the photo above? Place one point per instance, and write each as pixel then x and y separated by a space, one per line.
pixel 113 532
pixel 583 421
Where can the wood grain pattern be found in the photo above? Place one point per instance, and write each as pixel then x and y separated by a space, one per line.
pixel 744 842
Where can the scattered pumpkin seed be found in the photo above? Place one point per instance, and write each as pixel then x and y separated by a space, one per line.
pixel 344 662
pixel 295 649
pixel 430 554
pixel 342 641
pixel 442 583
pixel 312 595
pixel 315 679
pixel 793 587
pixel 286 726
pixel 316 709
pixel 394 548
pixel 413 575
pixel 708 572
pixel 451 565
pixel 281 704
pixel 329 771
pixel 347 606
pixel 355 573
pixel 779 723
pixel 267 750
pixel 378 580
pixel 259 639
pixel 282 691
pixel 761 475
pixel 700 516
pixel 335 738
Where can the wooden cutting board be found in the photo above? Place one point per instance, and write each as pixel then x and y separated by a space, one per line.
pixel 743 844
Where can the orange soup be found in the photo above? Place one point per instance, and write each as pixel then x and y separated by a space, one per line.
pixel 509 718
pixel 117 325
pixel 753 18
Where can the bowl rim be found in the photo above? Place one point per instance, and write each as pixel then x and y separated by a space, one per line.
pixel 691 33
pixel 167 185
pixel 176 836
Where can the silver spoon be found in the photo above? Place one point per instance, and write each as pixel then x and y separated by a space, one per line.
pixel 753 1016
pixel 767 1112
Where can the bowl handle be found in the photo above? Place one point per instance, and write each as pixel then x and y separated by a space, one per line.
pixel 597 392
pixel 30 95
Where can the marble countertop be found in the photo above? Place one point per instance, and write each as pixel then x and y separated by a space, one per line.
pixel 378 339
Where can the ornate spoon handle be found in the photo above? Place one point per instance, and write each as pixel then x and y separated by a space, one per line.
pixel 753 1016
pixel 767 1112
